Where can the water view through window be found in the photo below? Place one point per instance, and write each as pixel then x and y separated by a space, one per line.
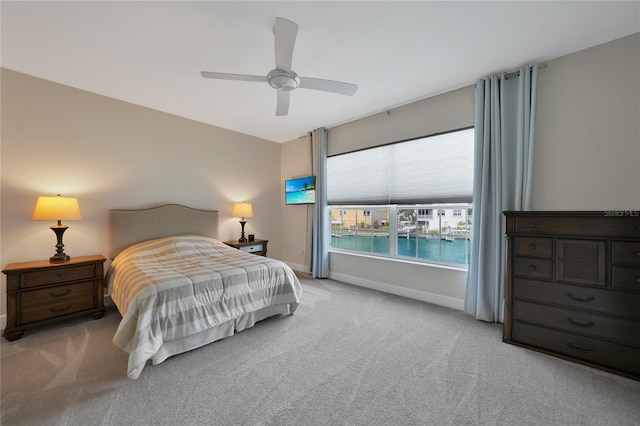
pixel 428 233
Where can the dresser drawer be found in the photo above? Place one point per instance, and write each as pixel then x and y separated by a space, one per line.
pixel 583 226
pixel 590 324
pixel 55 294
pixel 604 354
pixel 620 304
pixel 626 252
pixel 626 278
pixel 533 267
pixel 533 246
pixel 52 310
pixel 57 275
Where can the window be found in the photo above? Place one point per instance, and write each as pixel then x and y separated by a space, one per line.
pixel 407 200
pixel 396 232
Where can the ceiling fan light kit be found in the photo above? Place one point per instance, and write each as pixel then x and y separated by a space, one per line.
pixel 283 78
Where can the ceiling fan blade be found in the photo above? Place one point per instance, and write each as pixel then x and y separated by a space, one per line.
pixel 328 85
pixel 285 32
pixel 225 76
pixel 284 97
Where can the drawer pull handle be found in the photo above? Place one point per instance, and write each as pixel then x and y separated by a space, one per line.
pixel 64 293
pixel 532 267
pixel 58 310
pixel 581 324
pixel 638 253
pixel 638 280
pixel 533 225
pixel 61 274
pixel 581 299
pixel 579 348
pixel 533 246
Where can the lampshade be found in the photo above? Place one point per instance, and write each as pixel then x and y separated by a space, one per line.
pixel 242 210
pixel 56 208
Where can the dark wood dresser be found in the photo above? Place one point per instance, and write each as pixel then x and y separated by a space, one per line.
pixel 572 286
pixel 42 292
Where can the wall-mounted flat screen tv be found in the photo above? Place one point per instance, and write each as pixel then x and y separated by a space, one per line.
pixel 300 190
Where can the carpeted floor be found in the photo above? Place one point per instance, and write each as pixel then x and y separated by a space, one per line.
pixel 349 356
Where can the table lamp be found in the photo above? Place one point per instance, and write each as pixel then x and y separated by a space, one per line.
pixel 57 208
pixel 242 210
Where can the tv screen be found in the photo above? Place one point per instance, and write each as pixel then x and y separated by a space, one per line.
pixel 300 190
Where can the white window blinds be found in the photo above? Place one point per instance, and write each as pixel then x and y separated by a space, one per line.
pixel 431 170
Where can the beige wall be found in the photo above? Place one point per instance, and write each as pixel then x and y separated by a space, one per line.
pixel 295 158
pixel 111 154
pixel 587 155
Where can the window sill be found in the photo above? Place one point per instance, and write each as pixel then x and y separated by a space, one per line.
pixel 443 265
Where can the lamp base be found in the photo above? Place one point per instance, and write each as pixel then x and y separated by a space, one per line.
pixel 60 255
pixel 59 258
pixel 242 238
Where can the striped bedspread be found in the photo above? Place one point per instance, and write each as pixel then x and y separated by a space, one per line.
pixel 174 287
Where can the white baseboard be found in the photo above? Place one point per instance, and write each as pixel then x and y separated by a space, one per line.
pixel 410 293
pixel 297 267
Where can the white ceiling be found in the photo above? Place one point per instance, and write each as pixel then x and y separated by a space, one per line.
pixel 151 53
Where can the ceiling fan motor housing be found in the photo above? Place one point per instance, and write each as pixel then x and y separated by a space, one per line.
pixel 283 80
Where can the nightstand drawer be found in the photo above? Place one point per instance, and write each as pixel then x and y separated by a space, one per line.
pixel 56 294
pixel 257 247
pixel 57 275
pixel 52 310
pixel 253 248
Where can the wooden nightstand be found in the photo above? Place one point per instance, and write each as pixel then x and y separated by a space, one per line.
pixel 258 247
pixel 42 292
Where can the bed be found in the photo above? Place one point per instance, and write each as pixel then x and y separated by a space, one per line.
pixel 179 288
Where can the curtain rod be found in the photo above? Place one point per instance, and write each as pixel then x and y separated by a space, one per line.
pixel 515 73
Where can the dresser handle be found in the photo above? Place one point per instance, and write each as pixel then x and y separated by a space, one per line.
pixel 52 294
pixel 533 225
pixel 58 310
pixel 581 299
pixel 638 253
pixel 533 247
pixel 61 274
pixel 532 267
pixel 579 348
pixel 581 324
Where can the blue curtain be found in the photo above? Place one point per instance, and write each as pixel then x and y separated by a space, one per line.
pixel 503 154
pixel 320 243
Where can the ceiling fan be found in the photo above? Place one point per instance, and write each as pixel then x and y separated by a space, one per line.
pixel 282 77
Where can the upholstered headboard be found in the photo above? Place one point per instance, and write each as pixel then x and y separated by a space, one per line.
pixel 133 226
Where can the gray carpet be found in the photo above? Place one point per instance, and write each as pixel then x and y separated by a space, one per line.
pixel 349 356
